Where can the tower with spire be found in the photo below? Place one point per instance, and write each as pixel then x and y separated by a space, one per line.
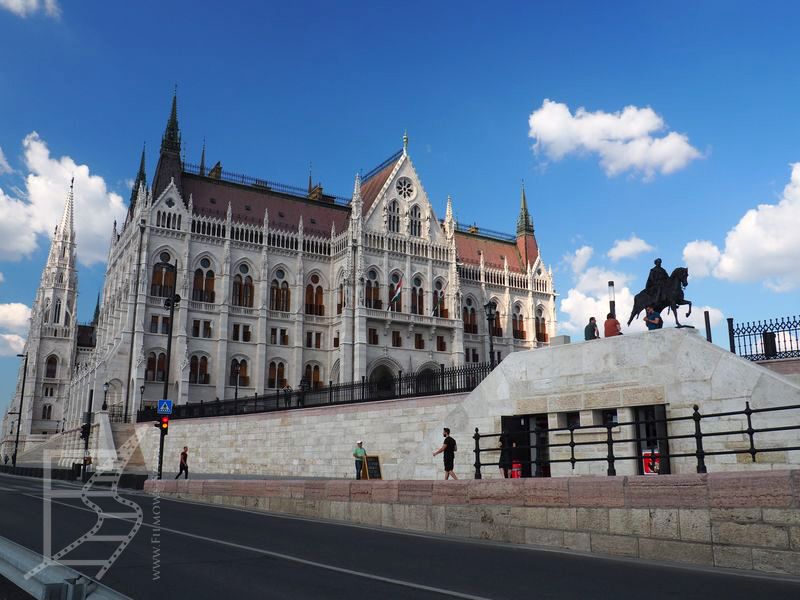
pixel 51 343
pixel 526 240
pixel 169 165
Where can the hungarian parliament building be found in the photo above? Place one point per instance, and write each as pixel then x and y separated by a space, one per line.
pixel 278 286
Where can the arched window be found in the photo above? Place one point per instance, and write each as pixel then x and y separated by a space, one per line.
pixel 340 299
pixel 518 323
pixel 51 367
pixel 161 367
pixel 57 311
pixel 239 367
pixel 272 375
pixel 416 221
pixel 417 298
pixel 394 216
pixel 469 317
pixel 236 298
pixel 279 292
pixel 281 375
pixel 198 370
pixel 198 284
pixel 372 292
pixel 313 378
pixel 162 283
pixel 47 412
pixel 438 306
pixel 315 302
pixel 541 326
pixel 150 371
pixel 396 293
pixel 193 367
pixel 497 324
pixel 208 290
pixel 61 277
pixel 248 292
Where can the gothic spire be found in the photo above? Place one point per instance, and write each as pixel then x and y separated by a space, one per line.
pixel 96 317
pixel 172 135
pixel 524 223
pixel 67 227
pixel 141 177
pixel 203 160
pixel 169 161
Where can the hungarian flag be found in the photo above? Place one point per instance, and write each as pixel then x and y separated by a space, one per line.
pixel 440 303
pixel 397 291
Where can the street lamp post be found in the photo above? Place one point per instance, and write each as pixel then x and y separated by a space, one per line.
pixel 170 302
pixel 19 417
pixel 141 397
pixel 612 304
pixel 236 370
pixel 491 314
pixel 106 385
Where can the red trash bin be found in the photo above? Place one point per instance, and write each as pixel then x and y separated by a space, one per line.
pixel 516 470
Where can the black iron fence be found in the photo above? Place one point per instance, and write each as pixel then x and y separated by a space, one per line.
pixel 766 340
pixel 736 432
pixel 402 385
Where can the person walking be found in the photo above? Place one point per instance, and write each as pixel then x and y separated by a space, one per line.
pixel 184 467
pixel 360 455
pixel 449 448
pixel 612 327
pixel 590 332
pixel 653 318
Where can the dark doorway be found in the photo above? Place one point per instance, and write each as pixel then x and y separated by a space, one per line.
pixel 652 442
pixel 427 382
pixel 529 435
pixel 382 382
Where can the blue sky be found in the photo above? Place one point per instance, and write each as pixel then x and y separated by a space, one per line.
pixel 711 132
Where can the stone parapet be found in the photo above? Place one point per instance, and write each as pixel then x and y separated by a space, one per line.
pixel 745 521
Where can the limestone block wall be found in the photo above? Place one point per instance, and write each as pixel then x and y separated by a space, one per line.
pixel 745 521
pixel 316 442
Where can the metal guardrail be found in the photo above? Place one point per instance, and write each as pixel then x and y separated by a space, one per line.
pixel 428 383
pixel 608 443
pixel 766 340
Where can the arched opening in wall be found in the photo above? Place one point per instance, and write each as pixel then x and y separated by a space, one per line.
pixel 51 367
pixel 427 382
pixel 381 382
pixel 279 292
pixel 57 311
pixel 415 223
pixel 335 372
pixel 162 282
pixel 372 293
pixel 518 323
pixel 541 326
pixel 340 299
pixel 394 216
pixel 161 368
pixel 396 292
pixel 315 302
pixel 469 317
pixel 417 297
pixel 47 412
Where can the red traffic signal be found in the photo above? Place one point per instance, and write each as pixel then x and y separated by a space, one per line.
pixel 163 425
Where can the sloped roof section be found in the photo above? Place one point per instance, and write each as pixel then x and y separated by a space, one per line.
pixel 470 246
pixel 373 182
pixel 210 198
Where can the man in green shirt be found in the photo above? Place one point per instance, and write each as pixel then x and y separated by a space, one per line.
pixel 360 455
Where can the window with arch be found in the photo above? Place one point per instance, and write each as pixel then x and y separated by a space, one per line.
pixel 340 299
pixel 438 307
pixel 276 377
pixel 156 369
pixel 415 223
pixel 518 323
pixel 51 367
pixel 243 290
pixel 198 370
pixel 417 297
pixel 469 317
pixel 313 377
pixel 396 293
pixel 372 292
pixel 497 324
pixel 203 282
pixel 162 282
pixel 394 216
pixel 315 300
pixel 61 277
pixel 47 412
pixel 57 311
pixel 239 368
pixel 279 292
pixel 541 326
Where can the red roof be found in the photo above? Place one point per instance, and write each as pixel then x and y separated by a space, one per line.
pixel 372 186
pixel 210 198
pixel 469 248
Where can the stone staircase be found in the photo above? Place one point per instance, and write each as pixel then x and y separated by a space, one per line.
pixel 121 432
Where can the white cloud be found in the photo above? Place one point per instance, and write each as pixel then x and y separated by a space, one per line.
pixel 14 317
pixel 763 246
pixel 623 140
pixel 629 248
pixel 701 257
pixel 2 278
pixel 47 185
pixel 23 8
pixel 580 258
pixel 4 166
pixel 11 344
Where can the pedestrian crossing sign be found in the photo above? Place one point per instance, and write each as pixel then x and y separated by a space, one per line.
pixel 165 407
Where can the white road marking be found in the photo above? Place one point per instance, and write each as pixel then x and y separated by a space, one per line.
pixel 303 561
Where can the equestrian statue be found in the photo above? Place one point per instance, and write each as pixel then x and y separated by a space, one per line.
pixel 663 291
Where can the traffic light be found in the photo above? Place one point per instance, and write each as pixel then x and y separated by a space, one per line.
pixel 85 428
pixel 163 425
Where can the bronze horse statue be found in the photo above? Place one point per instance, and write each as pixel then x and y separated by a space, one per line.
pixel 670 296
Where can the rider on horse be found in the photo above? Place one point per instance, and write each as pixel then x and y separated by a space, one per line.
pixel 655 283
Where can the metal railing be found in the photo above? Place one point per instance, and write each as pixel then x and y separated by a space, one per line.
pixel 715 430
pixel 402 385
pixel 766 340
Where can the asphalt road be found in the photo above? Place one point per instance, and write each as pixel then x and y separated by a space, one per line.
pixel 185 550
